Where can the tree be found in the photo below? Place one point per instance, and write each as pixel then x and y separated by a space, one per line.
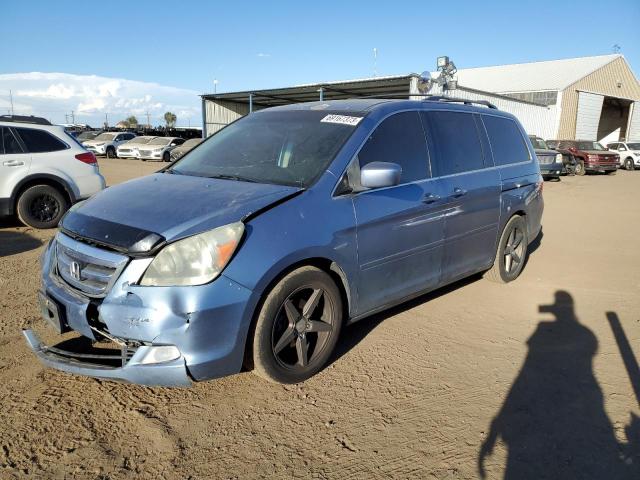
pixel 132 121
pixel 170 119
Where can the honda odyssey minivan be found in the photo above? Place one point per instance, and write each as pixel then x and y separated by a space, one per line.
pixel 281 229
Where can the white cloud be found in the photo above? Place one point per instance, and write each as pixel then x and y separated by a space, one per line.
pixel 263 55
pixel 90 97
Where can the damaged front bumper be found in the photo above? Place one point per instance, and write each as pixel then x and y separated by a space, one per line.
pixel 137 369
pixel 206 325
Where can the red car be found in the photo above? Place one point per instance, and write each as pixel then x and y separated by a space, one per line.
pixel 589 156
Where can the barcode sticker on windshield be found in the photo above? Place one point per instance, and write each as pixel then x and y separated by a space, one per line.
pixel 342 119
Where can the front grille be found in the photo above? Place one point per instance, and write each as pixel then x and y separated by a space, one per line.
pixel 546 159
pixel 88 269
pixel 124 150
pixel 144 153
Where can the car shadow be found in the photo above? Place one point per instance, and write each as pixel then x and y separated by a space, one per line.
pixel 353 334
pixel 12 242
pixel 553 422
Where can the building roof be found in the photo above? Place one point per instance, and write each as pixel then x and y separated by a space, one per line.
pixel 534 76
pixel 310 92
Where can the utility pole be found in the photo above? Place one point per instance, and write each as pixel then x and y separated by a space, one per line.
pixel 73 117
pixel 106 119
pixel 148 121
pixel 215 86
pixel 11 98
pixel 66 118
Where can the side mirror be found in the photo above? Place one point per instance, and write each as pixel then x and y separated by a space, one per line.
pixel 380 174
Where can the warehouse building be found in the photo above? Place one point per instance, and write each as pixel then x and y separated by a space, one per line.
pixel 590 98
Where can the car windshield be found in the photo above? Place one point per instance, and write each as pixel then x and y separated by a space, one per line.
pixel 281 147
pixel 634 146
pixel 141 140
pixel 87 135
pixel 106 136
pixel 538 143
pixel 160 141
pixel 589 146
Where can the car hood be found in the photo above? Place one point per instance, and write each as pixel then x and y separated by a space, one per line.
pixel 599 152
pixel 142 214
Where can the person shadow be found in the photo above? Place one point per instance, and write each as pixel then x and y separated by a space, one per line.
pixel 553 421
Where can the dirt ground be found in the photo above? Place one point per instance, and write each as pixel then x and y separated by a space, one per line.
pixel 534 379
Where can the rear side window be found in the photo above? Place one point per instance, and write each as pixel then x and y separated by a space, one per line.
pixel 506 140
pixel 39 141
pixel 454 143
pixel 8 143
pixel 399 139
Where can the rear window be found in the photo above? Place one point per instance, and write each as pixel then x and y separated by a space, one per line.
pixel 506 140
pixel 454 143
pixel 8 143
pixel 40 141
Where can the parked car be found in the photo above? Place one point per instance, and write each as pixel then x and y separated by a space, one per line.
pixel 131 148
pixel 179 151
pixel 88 135
pixel 43 171
pixel 107 143
pixel 551 164
pixel 289 223
pixel 629 153
pixel 159 149
pixel 589 156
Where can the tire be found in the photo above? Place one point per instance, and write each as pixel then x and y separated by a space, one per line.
pixel 580 168
pixel 293 338
pixel 111 152
pixel 628 164
pixel 503 270
pixel 41 206
pixel 166 157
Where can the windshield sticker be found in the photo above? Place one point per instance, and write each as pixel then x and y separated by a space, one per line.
pixel 342 119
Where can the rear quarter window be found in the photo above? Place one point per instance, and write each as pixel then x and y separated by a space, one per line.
pixel 507 143
pixel 8 143
pixel 40 141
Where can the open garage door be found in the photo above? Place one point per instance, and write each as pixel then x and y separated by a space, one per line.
pixel 633 132
pixel 589 110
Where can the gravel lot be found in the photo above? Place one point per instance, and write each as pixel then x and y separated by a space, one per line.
pixel 543 370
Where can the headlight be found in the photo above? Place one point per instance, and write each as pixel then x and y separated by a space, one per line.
pixel 157 150
pixel 637 154
pixel 195 260
pixel 558 158
pixel 98 144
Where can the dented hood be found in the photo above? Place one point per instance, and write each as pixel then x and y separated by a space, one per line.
pixel 140 215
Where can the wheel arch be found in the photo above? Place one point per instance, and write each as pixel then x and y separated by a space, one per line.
pixel 328 266
pixel 58 183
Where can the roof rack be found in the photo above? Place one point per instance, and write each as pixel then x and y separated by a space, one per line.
pixel 25 119
pixel 435 98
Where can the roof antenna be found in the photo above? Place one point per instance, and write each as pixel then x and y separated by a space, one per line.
pixel 375 62
pixel 615 48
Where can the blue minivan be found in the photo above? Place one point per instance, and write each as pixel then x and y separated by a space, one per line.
pixel 261 243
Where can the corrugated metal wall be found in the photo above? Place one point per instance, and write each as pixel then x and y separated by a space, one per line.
pixel 588 116
pixel 536 120
pixel 603 81
pixel 219 113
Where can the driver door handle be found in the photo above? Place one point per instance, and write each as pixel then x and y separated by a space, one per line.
pixel 459 192
pixel 12 163
pixel 430 198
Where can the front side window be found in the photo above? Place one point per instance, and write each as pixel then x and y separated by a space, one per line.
pixel 290 147
pixel 507 143
pixel 8 143
pixel 399 139
pixel 39 141
pixel 454 143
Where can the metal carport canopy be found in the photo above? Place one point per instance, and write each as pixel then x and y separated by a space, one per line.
pixel 319 91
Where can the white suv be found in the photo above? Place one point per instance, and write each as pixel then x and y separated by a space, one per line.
pixel 43 170
pixel 107 143
pixel 629 154
pixel 159 148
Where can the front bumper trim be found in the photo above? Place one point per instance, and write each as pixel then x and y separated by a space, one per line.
pixel 172 373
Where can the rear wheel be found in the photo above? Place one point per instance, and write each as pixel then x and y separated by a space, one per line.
pixel 111 152
pixel 580 170
pixel 628 164
pixel 41 206
pixel 297 327
pixel 511 252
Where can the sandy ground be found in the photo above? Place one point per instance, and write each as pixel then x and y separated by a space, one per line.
pixel 476 371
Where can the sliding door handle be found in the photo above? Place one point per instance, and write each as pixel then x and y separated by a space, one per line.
pixel 459 192
pixel 430 198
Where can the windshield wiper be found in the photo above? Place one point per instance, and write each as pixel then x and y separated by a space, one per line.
pixel 237 178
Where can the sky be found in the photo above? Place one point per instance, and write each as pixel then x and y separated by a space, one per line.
pixel 133 57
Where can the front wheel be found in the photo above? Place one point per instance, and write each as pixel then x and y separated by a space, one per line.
pixel 111 152
pixel 628 164
pixel 166 157
pixel 580 170
pixel 511 252
pixel 297 327
pixel 41 206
